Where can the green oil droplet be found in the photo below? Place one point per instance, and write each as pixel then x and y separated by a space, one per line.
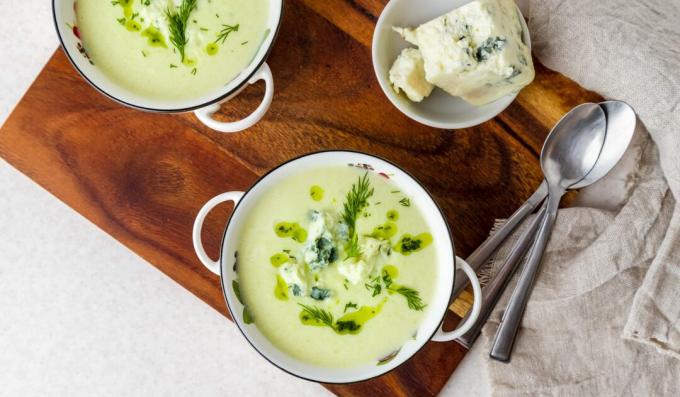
pixel 279 259
pixel 409 244
pixel 385 231
pixel 127 7
pixel 133 26
pixel 391 271
pixel 154 36
pixel 353 323
pixel 281 289
pixel 316 192
pixel 212 48
pixel 247 317
pixel 292 230
pixel 237 290
pixel 393 215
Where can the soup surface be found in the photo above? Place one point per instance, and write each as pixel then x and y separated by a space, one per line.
pixel 175 49
pixel 335 267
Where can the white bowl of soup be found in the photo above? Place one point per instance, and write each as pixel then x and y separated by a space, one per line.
pixel 172 55
pixel 337 266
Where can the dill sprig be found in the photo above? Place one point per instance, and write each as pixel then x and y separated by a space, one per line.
pixel 375 288
pixel 225 32
pixel 355 202
pixel 412 297
pixel 178 18
pixel 352 249
pixel 318 314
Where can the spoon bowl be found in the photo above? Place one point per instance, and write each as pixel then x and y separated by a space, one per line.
pixel 621 122
pixel 573 146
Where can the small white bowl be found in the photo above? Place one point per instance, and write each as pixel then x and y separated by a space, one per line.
pixel 440 109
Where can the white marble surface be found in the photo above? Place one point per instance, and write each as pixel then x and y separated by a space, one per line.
pixel 82 315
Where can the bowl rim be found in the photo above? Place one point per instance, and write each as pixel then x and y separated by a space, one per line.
pixel 392 96
pixel 219 98
pixel 222 264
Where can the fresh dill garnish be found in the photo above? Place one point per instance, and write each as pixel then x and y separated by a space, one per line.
pixel 144 53
pixel 355 202
pixel 395 191
pixel 134 15
pixel 406 202
pixel 376 287
pixel 115 3
pixel 203 29
pixel 177 24
pixel 146 2
pixel 225 32
pixel 121 21
pixel 318 314
pixel 173 66
pixel 412 297
pixel 352 249
pixel 244 43
pixel 193 71
pixel 387 279
pixel 350 305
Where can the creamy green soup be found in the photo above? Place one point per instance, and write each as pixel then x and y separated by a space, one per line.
pixel 335 267
pixel 172 49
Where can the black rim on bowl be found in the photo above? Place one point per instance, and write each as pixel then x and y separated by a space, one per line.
pixel 223 257
pixel 173 110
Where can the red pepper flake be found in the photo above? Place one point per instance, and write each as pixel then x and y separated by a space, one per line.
pixel 76 32
pixel 384 175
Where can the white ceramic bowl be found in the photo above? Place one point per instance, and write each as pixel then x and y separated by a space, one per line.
pixel 430 327
pixel 440 109
pixel 204 106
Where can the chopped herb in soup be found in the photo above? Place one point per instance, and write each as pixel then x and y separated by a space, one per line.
pixel 176 49
pixel 350 276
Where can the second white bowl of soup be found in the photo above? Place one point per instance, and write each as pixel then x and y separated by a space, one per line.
pixel 337 266
pixel 172 55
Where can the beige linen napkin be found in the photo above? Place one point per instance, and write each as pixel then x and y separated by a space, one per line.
pixel 604 315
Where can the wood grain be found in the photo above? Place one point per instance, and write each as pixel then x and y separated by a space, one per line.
pixel 142 177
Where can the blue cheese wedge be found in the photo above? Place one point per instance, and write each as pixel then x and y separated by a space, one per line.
pixel 408 75
pixel 475 51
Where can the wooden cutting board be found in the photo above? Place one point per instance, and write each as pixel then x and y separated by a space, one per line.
pixel 142 177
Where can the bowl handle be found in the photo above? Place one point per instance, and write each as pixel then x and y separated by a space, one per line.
pixel 213 266
pixel 445 336
pixel 205 115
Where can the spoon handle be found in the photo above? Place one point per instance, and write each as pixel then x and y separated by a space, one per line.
pixel 495 288
pixel 488 247
pixel 507 330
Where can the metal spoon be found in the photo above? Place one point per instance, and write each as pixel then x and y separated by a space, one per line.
pixel 568 155
pixel 621 122
pixel 620 119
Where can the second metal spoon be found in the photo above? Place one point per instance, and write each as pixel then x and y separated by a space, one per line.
pixel 569 153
